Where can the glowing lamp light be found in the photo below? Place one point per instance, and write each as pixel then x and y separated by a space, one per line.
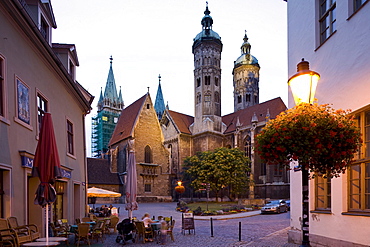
pixel 180 188
pixel 303 84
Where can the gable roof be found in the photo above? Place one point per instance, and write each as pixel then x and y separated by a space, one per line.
pixel 97 167
pixel 127 120
pixel 274 107
pixel 181 121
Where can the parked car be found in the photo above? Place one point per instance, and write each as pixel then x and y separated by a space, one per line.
pixel 276 206
pixel 288 204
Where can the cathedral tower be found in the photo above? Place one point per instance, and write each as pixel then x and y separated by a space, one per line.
pixel 110 106
pixel 246 78
pixel 207 48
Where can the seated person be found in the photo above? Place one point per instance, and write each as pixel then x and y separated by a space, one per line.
pixel 147 221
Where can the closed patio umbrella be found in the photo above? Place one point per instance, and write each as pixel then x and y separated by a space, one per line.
pixel 131 182
pixel 46 166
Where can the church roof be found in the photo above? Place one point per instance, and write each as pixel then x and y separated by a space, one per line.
pixel 97 167
pixel 182 121
pixel 127 120
pixel 272 107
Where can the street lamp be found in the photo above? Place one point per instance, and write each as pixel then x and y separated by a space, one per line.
pixel 303 85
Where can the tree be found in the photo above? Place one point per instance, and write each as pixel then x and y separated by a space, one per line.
pixel 220 168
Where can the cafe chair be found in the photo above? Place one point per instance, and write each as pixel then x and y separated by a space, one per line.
pixel 142 232
pixel 9 234
pixel 60 231
pixel 113 224
pixel 85 219
pixel 170 230
pixel 6 235
pixel 83 233
pixel 78 221
pixel 98 231
pixel 31 228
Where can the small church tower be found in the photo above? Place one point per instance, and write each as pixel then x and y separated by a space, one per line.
pixel 159 101
pixel 207 48
pixel 246 78
pixel 110 105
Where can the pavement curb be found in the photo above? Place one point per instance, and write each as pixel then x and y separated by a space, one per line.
pixel 229 216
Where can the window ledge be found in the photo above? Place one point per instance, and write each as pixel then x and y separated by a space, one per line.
pixel 367 214
pixel 148 164
pixel 4 120
pixel 321 211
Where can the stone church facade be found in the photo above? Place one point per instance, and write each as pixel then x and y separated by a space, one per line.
pixel 186 135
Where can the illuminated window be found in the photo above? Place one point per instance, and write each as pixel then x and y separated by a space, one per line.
pixel 359 189
pixel 104 118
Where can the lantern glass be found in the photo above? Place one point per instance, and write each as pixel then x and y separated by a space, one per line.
pixel 303 87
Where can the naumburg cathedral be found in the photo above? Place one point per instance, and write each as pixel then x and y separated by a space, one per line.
pixel 164 138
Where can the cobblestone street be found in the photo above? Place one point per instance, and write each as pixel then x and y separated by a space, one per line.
pixel 259 230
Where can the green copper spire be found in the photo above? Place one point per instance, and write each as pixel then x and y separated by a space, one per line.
pixel 159 102
pixel 110 91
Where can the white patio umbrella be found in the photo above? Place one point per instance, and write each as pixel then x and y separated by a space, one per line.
pixel 131 181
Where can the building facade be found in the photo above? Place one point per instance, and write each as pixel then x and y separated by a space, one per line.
pixel 110 105
pixel 334 37
pixel 38 76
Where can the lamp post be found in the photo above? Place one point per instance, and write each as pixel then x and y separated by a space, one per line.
pixel 303 85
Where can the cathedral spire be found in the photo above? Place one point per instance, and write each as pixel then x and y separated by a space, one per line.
pixel 110 92
pixel 159 102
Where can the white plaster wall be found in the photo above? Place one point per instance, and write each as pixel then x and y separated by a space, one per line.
pixel 344 65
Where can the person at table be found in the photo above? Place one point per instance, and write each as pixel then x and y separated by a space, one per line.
pixel 147 221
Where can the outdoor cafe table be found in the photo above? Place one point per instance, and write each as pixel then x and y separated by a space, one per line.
pixel 156 227
pixel 73 228
pixel 53 239
pixel 41 244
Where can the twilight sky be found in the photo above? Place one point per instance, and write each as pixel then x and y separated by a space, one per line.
pixel 151 37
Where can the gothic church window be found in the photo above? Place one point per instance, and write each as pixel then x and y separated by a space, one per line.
pixel 148 155
pixel 239 99
pixel 255 99
pixel 217 97
pixel 198 82
pixel 216 81
pixel 207 98
pixel 199 98
pixel 248 147
pixel 248 98
pixel 207 80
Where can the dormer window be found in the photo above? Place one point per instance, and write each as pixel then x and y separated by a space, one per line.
pixel 44 29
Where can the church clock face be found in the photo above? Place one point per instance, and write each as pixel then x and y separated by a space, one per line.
pixel 115 120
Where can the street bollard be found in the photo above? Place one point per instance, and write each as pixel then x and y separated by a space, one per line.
pixel 240 231
pixel 211 227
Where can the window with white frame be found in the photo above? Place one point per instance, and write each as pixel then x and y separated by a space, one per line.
pixel 41 108
pixel 70 143
pixel 327 19
pixel 322 193
pixel 357 4
pixel 359 172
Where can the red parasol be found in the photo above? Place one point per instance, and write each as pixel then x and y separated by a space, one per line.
pixel 46 165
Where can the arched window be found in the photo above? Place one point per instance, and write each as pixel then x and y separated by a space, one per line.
pixel 248 147
pixel 198 82
pixel 148 154
pixel 216 81
pixel 217 97
pixel 199 98
pixel 239 99
pixel 207 80
pixel 248 98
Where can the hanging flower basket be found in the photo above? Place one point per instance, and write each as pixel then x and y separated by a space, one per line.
pixel 317 136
